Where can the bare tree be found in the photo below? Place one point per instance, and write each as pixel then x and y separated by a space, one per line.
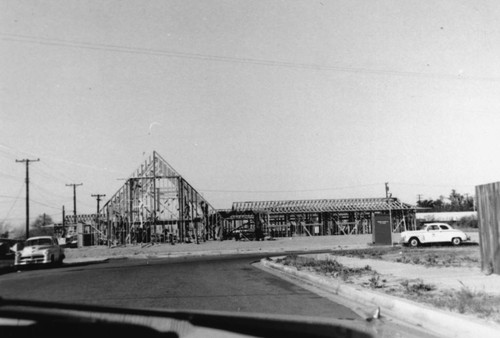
pixel 38 228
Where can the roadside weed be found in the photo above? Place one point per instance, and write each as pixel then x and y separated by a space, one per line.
pixel 327 267
pixel 376 282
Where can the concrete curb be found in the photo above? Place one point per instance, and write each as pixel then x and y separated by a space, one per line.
pixel 437 321
pixel 203 253
pixel 237 251
pixel 89 260
pixel 177 254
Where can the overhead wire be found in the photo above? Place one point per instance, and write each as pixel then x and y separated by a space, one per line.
pixel 47 192
pixel 2 151
pixel 7 196
pixel 229 59
pixel 12 177
pixel 60 173
pixel 290 191
pixel 433 185
pixel 44 204
pixel 13 204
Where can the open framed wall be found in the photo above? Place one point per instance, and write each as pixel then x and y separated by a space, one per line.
pixel 156 204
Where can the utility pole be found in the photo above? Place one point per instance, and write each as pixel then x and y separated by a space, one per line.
pixel 28 194
pixel 388 197
pixel 63 222
pixel 98 197
pixel 419 196
pixel 74 197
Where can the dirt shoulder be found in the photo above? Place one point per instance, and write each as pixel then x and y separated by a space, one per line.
pixel 447 278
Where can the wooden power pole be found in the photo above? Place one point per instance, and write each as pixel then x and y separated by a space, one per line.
pixel 98 197
pixel 74 197
pixel 28 194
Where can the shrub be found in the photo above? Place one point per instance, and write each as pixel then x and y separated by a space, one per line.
pixel 418 287
pixel 467 222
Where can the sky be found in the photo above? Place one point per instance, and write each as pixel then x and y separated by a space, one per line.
pixel 247 100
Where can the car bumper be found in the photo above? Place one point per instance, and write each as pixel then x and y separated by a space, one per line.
pixel 31 261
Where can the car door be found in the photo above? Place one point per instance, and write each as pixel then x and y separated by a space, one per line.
pixel 444 234
pixel 432 234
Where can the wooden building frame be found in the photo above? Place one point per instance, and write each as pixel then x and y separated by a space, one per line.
pixel 323 216
pixel 156 204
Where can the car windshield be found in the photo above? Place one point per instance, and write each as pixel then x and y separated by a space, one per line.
pixel 38 241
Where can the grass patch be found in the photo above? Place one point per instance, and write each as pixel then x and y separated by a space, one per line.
pixel 437 259
pixel 326 267
pixel 467 301
pixel 416 288
pixel 372 253
pixel 464 301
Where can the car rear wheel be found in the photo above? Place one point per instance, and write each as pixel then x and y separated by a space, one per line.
pixel 414 242
pixel 456 241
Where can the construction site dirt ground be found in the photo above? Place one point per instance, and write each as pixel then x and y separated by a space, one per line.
pixel 223 247
pixel 277 245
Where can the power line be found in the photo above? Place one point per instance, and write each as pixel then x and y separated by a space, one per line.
pixel 283 191
pixel 60 173
pixel 43 204
pixel 8 196
pixel 47 193
pixel 15 218
pixel 9 176
pixel 228 59
pixel 57 159
pixel 5 152
pixel 13 204
pixel 433 185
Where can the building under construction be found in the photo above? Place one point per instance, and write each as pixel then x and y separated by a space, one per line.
pixel 156 204
pixel 318 217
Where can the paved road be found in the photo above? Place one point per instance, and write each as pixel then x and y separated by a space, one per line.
pixel 213 283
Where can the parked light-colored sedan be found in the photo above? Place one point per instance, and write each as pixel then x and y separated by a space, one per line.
pixel 40 250
pixel 434 233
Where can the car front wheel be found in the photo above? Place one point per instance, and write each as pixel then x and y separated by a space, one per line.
pixel 456 241
pixel 414 242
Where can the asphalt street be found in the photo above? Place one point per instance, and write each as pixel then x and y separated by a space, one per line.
pixel 205 283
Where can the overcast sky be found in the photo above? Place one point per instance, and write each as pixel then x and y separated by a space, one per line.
pixel 248 100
